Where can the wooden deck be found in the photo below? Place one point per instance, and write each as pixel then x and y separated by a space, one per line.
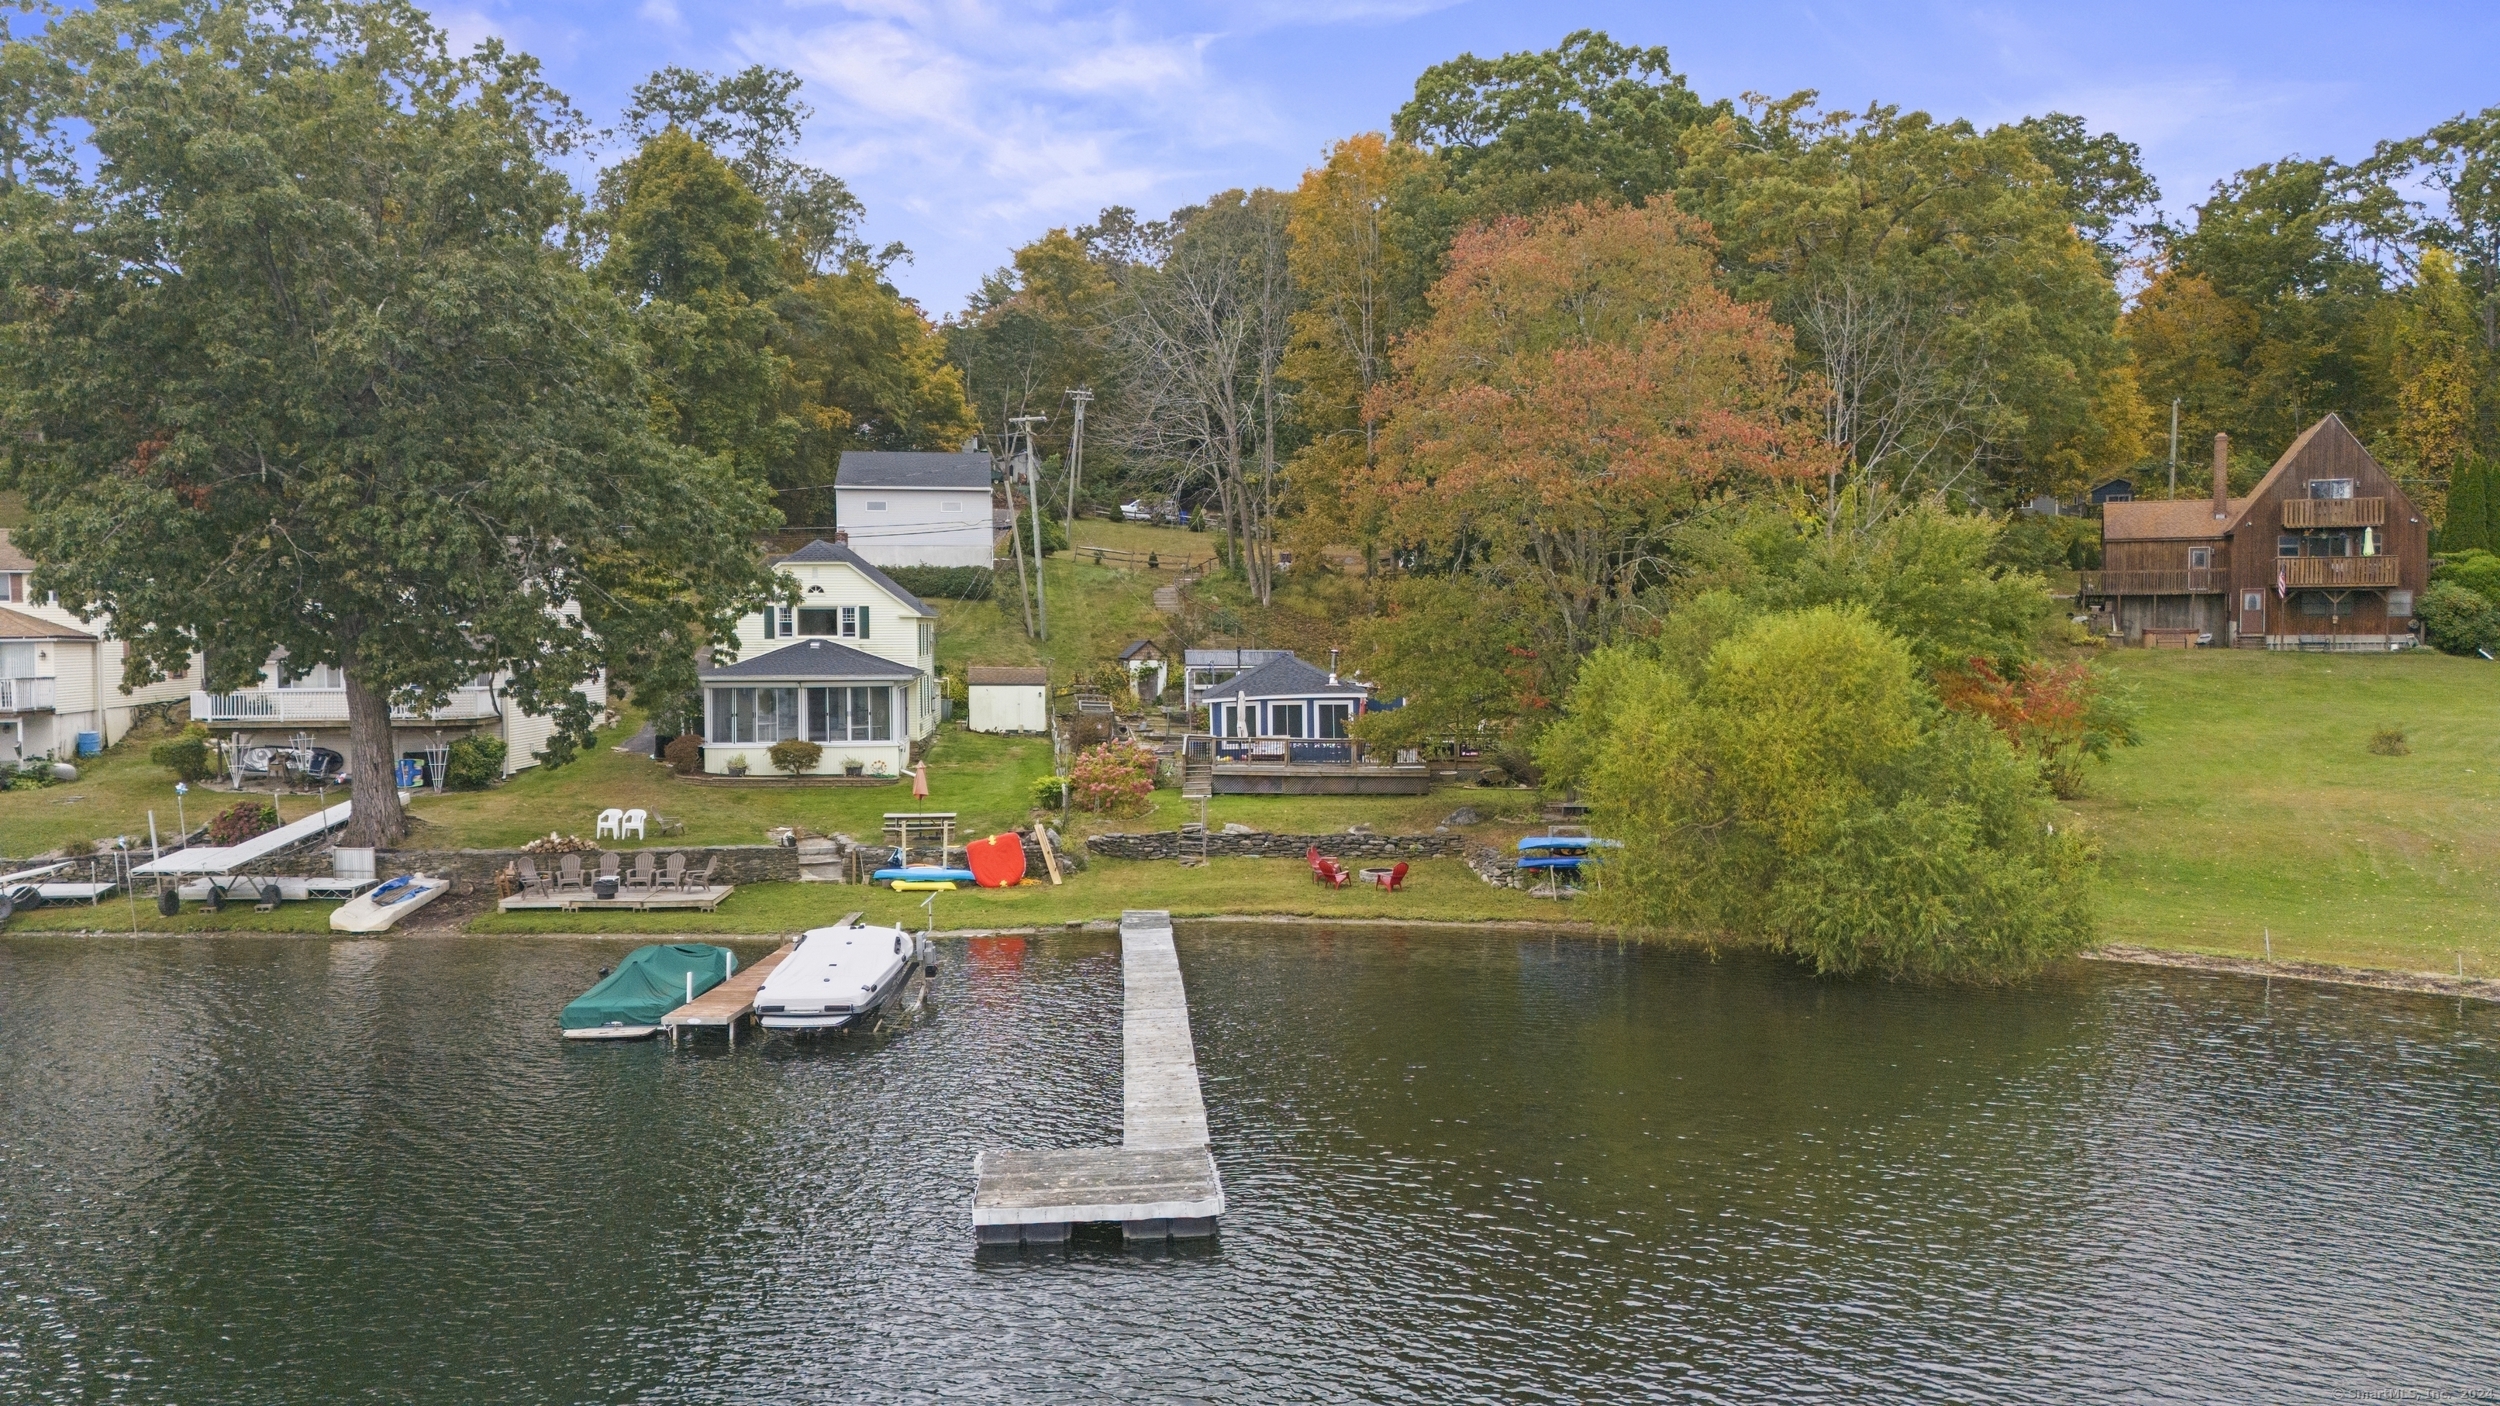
pixel 626 900
pixel 1161 1181
pixel 1319 779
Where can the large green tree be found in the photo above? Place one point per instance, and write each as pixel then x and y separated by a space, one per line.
pixel 296 358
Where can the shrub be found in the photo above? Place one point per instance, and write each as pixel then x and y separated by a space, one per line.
pixel 2477 571
pixel 945 582
pixel 2456 620
pixel 1112 779
pixel 78 849
pixel 1808 794
pixel 2390 742
pixel 2059 714
pixel 186 754
pixel 475 763
pixel 241 821
pixel 795 756
pixel 685 753
pixel 1050 792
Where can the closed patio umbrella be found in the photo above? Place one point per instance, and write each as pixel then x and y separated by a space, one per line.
pixel 920 781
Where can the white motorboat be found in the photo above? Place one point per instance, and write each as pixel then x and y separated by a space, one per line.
pixel 836 977
pixel 381 907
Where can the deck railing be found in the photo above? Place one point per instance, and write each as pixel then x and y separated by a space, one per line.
pixel 2334 512
pixel 26 695
pixel 2174 581
pixel 2336 573
pixel 328 705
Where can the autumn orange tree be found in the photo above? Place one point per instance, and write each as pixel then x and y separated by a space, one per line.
pixel 1581 387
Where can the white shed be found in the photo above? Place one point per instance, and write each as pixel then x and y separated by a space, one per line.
pixel 1008 699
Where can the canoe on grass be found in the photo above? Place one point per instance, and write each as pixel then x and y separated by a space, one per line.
pixel 652 981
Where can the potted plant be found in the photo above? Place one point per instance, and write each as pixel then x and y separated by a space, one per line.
pixel 852 766
pixel 738 764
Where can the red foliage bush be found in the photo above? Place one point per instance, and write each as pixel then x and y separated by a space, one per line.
pixel 1113 779
pixel 241 821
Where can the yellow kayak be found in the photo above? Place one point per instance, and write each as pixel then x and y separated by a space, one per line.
pixel 924 885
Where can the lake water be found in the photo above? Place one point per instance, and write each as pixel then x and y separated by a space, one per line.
pixel 1459 1166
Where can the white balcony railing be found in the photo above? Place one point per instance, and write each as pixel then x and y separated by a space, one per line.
pixel 281 706
pixel 28 695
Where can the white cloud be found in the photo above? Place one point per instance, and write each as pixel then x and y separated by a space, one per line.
pixel 663 13
pixel 982 124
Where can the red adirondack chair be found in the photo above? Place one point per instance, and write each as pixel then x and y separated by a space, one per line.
pixel 1325 870
pixel 1393 879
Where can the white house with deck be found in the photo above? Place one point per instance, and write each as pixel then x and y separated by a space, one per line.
pixel 916 508
pixel 851 667
pixel 61 676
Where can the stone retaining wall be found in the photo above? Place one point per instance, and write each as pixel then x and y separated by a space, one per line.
pixel 1167 844
pixel 477 868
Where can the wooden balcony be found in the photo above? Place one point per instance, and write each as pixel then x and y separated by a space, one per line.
pixel 2174 581
pixel 2336 573
pixel 2334 512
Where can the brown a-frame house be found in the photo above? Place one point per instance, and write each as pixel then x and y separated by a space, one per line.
pixel 2325 553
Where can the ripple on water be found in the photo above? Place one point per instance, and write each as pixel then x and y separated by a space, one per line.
pixel 1458 1166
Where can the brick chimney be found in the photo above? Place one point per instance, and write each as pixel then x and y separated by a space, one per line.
pixel 843 539
pixel 2222 475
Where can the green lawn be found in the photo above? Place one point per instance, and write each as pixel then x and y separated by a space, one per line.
pixel 1439 889
pixel 2255 806
pixel 112 796
pixel 986 780
pixel 1094 612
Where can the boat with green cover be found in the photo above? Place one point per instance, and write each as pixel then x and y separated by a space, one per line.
pixel 652 981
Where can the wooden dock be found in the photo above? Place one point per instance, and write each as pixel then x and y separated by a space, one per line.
pixel 1161 1181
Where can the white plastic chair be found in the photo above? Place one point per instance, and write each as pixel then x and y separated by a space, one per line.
pixel 632 824
pixel 611 822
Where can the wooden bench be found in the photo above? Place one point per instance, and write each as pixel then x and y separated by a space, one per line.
pixel 2173 639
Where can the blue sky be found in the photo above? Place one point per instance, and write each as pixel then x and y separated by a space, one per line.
pixel 969 126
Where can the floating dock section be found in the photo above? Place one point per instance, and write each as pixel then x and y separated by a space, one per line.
pixel 1160 1182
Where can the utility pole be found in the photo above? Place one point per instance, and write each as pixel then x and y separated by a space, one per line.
pixel 1076 458
pixel 2174 447
pixel 1033 487
pixel 1015 541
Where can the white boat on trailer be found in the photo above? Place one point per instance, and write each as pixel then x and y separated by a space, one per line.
pixel 836 978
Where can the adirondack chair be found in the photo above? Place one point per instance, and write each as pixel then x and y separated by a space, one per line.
pixel 674 876
pixel 1325 870
pixel 646 871
pixel 569 871
pixel 609 862
pixel 1392 879
pixel 526 870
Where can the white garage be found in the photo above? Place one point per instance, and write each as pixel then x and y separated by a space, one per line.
pixel 1005 699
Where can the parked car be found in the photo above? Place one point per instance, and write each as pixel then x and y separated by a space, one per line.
pixel 1154 510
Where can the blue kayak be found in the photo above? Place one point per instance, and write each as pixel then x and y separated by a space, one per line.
pixel 924 874
pixel 1538 842
pixel 1555 861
